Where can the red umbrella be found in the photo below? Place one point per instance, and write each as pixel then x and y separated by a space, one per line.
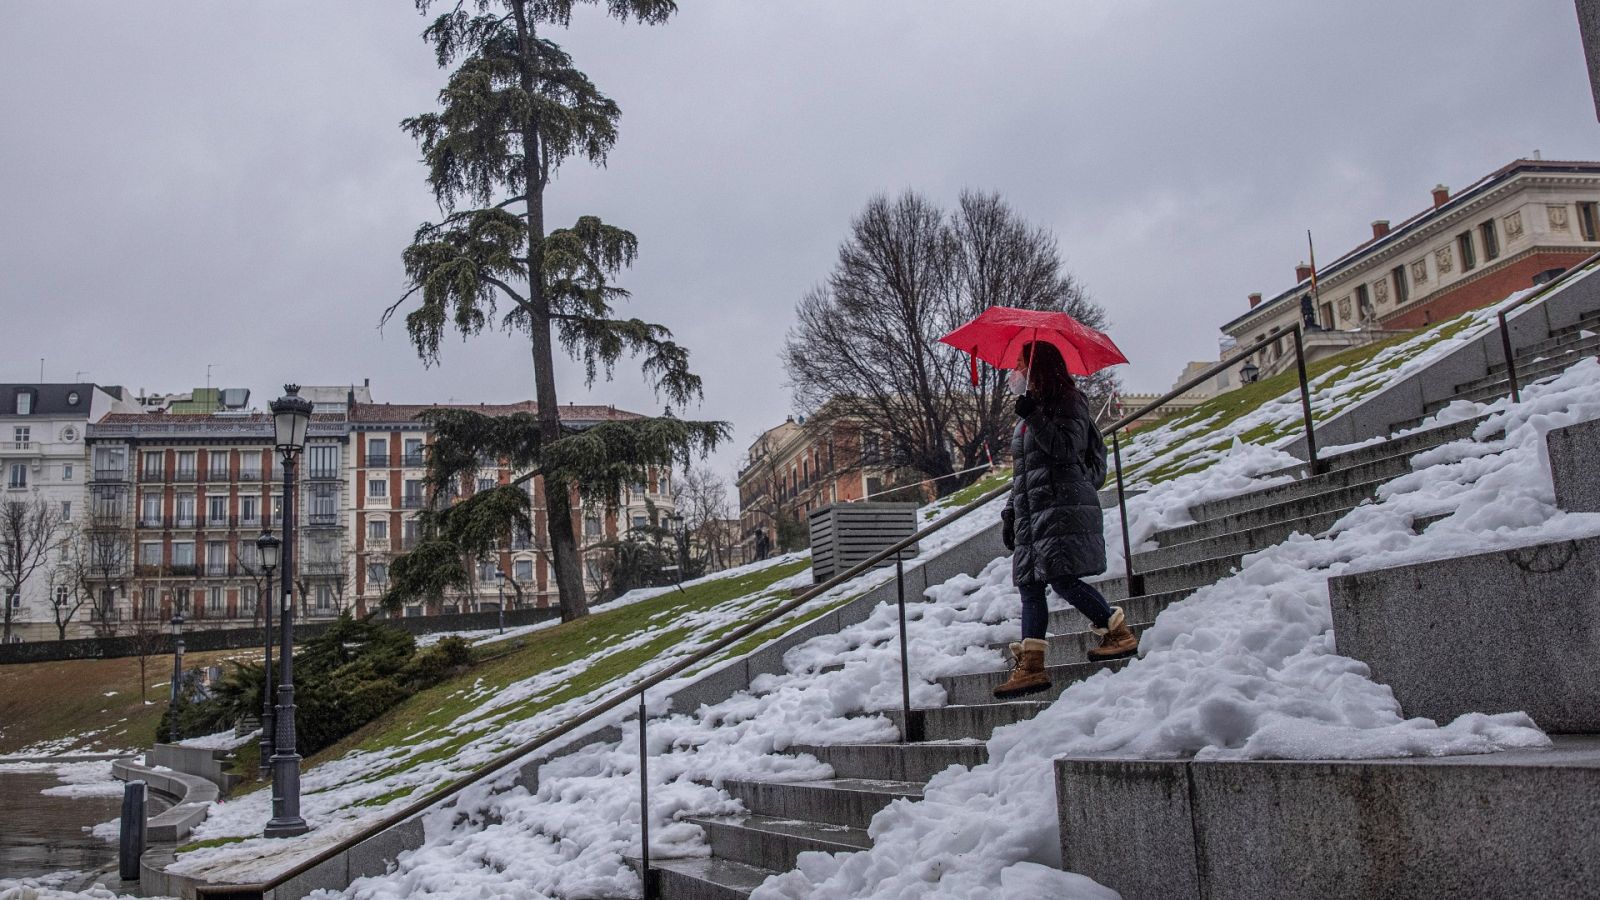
pixel 998 334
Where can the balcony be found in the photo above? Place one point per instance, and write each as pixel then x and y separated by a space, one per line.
pixel 250 474
pixel 183 570
pixel 186 475
pixel 322 567
pixel 220 475
pixel 220 570
pixel 409 542
pixel 22 446
pixel 147 476
pixel 185 520
pixel 415 460
pixel 377 460
pixel 322 473
pixel 114 475
pixel 322 520
pixel 250 521
pixel 145 521
pixel 146 570
pixel 111 517
pixel 377 543
pixel 220 522
pixel 413 501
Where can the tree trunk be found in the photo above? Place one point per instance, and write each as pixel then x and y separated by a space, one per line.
pixel 558 506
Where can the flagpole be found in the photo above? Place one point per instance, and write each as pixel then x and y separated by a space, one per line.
pixel 1316 290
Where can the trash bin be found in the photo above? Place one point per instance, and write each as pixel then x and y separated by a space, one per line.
pixel 845 535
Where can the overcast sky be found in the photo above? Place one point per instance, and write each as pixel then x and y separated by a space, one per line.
pixel 194 183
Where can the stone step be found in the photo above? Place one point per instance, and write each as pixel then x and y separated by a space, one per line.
pixel 1410 444
pixel 1557 342
pixel 1508 825
pixel 1187 576
pixel 774 844
pixel 1143 608
pixel 706 878
pixel 1246 540
pixel 976 722
pixel 896 762
pixel 1500 387
pixel 1508 630
pixel 1534 367
pixel 1372 471
pixel 979 687
pixel 851 802
pixel 1342 498
pixel 1072 647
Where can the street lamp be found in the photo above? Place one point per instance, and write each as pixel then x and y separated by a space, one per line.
pixel 681 536
pixel 291 414
pixel 1249 372
pixel 268 546
pixel 500 582
pixel 177 668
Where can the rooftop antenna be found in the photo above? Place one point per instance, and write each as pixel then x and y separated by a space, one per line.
pixel 208 374
pixel 41 370
pixel 79 376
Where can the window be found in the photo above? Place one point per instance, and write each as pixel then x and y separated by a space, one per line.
pixel 24 403
pixel 1469 256
pixel 377 573
pixel 1402 289
pixel 377 530
pixel 639 521
pixel 250 465
pixel 18 477
pixel 591 526
pixel 1325 316
pixel 149 509
pixel 323 460
pixel 1589 221
pixel 66 472
pixel 485 484
pixel 277 510
pixel 1491 241
pixel 216 510
pixel 522 570
pixel 14 598
pixel 186 463
pixel 247 600
pixel 377 451
pixel 216 558
pixel 150 553
pixel 61 595
pixel 66 510
pixel 377 487
pixel 412 530
pixel 22 437
pixel 413 489
pixel 184 509
pixel 149 601
pixel 183 553
pixel 324 505
pixel 217 465
pixel 214 600
pixel 180 599
pixel 249 556
pixel 413 451
pixel 151 465
pixel 869 447
pixel 324 597
pixel 1363 303
pixel 111 461
pixel 249 510
pixel 486 572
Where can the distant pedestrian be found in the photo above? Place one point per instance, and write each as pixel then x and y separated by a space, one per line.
pixel 763 545
pixel 1052 522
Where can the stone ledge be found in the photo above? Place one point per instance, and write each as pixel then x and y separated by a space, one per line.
pixel 191 798
pixel 1504 825
pixel 1574 471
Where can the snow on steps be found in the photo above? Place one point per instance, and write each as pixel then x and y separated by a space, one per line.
pixel 812 817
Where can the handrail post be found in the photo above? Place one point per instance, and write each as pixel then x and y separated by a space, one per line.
pixel 1511 360
pixel 1305 400
pixel 1135 582
pixel 911 729
pixel 645 874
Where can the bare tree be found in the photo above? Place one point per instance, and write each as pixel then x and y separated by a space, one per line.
pixel 30 531
pixel 109 554
pixel 702 500
pixel 145 626
pixel 866 350
pixel 72 579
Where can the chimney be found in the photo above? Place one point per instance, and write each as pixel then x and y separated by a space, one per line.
pixel 1255 300
pixel 1380 227
pixel 1302 272
pixel 1441 195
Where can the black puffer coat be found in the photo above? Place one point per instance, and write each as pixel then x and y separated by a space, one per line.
pixel 1054 513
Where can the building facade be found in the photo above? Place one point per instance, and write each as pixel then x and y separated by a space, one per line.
pixel 44 460
pixel 1508 231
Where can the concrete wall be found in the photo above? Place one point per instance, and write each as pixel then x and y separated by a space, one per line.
pixel 235 638
pixel 1575 465
pixel 1407 398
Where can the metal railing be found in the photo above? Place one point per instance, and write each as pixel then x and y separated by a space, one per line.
pixel 1136 581
pixel 494 766
pixel 1505 333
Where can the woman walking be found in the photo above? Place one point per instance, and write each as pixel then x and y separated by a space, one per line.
pixel 1052 522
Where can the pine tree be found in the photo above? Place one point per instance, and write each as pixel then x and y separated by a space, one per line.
pixel 511 112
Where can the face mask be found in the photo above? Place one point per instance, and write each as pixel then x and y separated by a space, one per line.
pixel 1017 382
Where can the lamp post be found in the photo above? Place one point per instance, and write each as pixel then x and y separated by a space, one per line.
pixel 177 669
pixel 680 537
pixel 1249 372
pixel 291 414
pixel 268 547
pixel 500 582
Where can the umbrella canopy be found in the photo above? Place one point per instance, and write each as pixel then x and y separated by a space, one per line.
pixel 999 333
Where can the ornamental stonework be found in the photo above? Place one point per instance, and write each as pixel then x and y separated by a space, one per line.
pixel 1514 225
pixel 1419 270
pixel 1380 290
pixel 1442 259
pixel 1344 307
pixel 1558 217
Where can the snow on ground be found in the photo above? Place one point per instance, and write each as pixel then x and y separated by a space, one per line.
pixel 85 778
pixel 54 886
pixel 221 740
pixel 1243 669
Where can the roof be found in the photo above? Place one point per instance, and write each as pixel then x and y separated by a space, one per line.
pixel 1404 229
pixel 158 418
pixel 48 399
pixel 407 413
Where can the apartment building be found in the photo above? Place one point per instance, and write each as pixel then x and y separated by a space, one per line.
pixel 179 500
pixel 1509 230
pixel 387 469
pixel 43 459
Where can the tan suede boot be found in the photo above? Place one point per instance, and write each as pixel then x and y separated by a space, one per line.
pixel 1117 640
pixel 1027 674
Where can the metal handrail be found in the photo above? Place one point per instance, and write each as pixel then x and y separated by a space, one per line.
pixel 1505 334
pixel 589 715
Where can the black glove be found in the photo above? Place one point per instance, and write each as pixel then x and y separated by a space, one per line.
pixel 1008 534
pixel 1025 406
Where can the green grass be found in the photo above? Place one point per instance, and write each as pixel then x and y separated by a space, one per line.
pixel 212 842
pixel 977 489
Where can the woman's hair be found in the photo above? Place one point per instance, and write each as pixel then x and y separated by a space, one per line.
pixel 1048 379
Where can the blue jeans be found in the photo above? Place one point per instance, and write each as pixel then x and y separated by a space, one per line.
pixel 1087 600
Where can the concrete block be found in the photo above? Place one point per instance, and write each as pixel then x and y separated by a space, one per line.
pixel 1575 465
pixel 375 855
pixel 1127 824
pixel 1472 361
pixel 1494 632
pixel 895 762
pixel 846 802
pixel 775 844
pixel 1569 304
pixel 711 687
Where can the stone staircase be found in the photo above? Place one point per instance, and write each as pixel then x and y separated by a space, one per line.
pixel 1536 361
pixel 786 819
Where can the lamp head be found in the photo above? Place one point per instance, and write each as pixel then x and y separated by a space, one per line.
pixel 1249 372
pixel 270 547
pixel 291 414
